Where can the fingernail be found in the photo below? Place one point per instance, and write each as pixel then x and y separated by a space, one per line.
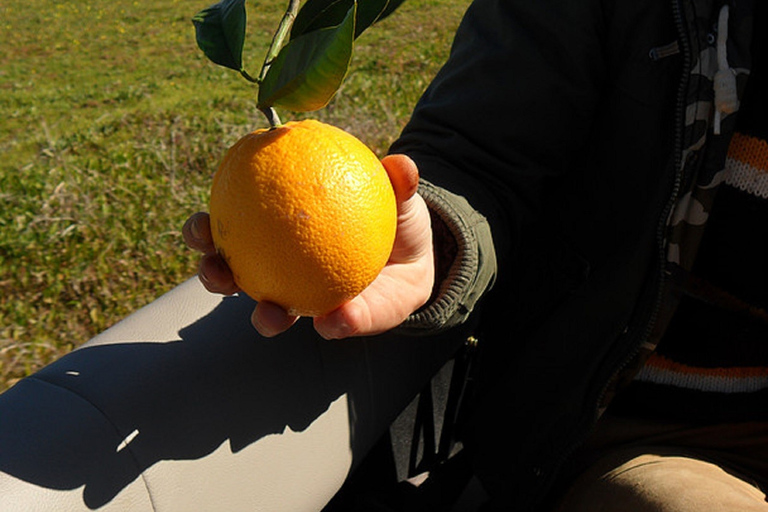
pixel 201 274
pixel 270 319
pixel 261 328
pixel 336 331
pixel 194 230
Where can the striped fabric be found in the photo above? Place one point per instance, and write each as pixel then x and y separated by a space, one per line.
pixel 712 363
pixel 663 371
pixel 746 167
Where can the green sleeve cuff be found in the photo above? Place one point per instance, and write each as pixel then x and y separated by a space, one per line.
pixel 470 274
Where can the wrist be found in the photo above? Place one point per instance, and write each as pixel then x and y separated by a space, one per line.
pixel 464 261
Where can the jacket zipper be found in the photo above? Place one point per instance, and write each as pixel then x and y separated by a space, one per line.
pixel 660 234
pixel 673 197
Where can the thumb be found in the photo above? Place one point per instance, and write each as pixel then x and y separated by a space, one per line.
pixel 403 174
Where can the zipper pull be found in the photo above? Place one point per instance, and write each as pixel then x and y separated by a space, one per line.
pixel 660 52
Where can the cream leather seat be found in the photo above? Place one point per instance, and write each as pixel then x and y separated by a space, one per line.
pixel 183 407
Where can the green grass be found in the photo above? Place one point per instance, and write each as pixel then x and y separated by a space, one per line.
pixel 111 124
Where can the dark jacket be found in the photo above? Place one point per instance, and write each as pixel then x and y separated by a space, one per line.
pixel 569 146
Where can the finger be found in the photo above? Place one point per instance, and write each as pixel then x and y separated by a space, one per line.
pixel 366 315
pixel 397 292
pixel 270 319
pixel 197 233
pixel 216 276
pixel 342 322
pixel 413 239
pixel 403 174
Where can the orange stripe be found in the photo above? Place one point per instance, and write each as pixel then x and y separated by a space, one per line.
pixel 749 150
pixel 663 363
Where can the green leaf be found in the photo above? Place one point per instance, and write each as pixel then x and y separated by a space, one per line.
pixel 319 14
pixel 310 69
pixel 220 32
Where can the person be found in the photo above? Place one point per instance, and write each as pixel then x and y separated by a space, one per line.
pixel 588 214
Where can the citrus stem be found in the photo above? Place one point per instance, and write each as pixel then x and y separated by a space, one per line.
pixel 248 77
pixel 272 117
pixel 283 29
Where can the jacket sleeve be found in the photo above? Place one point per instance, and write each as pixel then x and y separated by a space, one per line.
pixel 495 127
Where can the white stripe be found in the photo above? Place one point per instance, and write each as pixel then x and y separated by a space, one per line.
pixel 702 383
pixel 746 178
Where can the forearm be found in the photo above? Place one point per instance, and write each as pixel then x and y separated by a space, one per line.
pixel 502 122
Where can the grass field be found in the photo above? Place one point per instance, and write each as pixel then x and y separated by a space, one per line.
pixel 111 124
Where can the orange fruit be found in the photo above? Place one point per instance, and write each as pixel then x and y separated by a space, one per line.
pixel 304 214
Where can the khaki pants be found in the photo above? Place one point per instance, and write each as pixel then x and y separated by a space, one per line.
pixel 643 466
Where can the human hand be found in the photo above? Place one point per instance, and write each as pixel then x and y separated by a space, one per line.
pixel 403 286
